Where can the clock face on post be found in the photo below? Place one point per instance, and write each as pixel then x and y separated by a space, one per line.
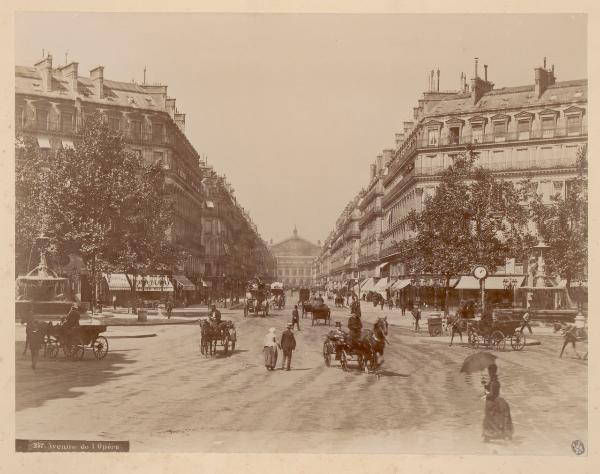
pixel 480 272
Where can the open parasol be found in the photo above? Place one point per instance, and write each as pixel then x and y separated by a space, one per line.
pixel 477 362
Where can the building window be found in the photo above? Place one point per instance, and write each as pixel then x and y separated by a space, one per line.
pixel 522 158
pixel 66 119
pixel 41 116
pixel 500 131
pixel 454 135
pixel 570 155
pixel 136 129
pixel 573 124
pixel 157 132
pixel 477 132
pixel 546 156
pixel 433 136
pixel 523 129
pixel 157 156
pixel 498 160
pixel 548 127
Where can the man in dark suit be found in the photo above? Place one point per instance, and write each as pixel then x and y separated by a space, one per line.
pixel 296 317
pixel 288 344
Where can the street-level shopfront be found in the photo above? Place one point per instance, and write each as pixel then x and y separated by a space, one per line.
pixel 147 288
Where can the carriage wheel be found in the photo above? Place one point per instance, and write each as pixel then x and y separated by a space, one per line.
pixel 100 347
pixel 326 355
pixel 517 341
pixel 497 340
pixel 436 331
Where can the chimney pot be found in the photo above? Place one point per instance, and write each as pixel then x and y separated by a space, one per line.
pixel 45 68
pixel 476 63
pixel 485 71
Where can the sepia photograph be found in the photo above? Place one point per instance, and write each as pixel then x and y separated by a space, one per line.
pixel 316 233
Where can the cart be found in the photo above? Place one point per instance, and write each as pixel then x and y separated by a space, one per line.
pixel 496 333
pixel 74 341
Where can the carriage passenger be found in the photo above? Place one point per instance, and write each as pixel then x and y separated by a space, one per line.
pixel 72 319
pixel 355 327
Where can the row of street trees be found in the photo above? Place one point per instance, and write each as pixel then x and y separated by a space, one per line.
pixel 97 200
pixel 476 218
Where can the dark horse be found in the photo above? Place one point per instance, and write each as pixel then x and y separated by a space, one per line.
pixel 372 345
pixel 212 332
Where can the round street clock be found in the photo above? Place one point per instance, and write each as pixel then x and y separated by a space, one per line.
pixel 480 272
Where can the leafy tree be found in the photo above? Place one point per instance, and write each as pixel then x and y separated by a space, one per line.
pixel 473 217
pixel 98 200
pixel 562 222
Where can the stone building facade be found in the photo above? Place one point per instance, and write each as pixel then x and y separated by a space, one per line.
pixel 51 105
pixel 294 259
pixel 532 131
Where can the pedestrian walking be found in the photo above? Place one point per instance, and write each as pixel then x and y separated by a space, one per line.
pixel 403 307
pixel 270 349
pixel 296 317
pixel 455 327
pixel 497 422
pixel 526 323
pixel 169 308
pixel 288 344
pixel 416 312
pixel 114 302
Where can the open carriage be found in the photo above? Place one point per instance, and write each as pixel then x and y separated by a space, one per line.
pixel 494 333
pixel 278 294
pixel 215 334
pixel 257 301
pixel 73 341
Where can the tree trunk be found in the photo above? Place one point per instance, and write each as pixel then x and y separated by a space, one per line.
pixel 93 302
pixel 446 295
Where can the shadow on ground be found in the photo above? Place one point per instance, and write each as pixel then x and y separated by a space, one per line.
pixel 56 378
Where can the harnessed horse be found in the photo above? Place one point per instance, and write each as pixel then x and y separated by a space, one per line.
pixel 372 344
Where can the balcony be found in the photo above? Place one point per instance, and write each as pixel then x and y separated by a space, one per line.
pixel 502 138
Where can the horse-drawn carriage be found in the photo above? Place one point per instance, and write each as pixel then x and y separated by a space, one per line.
pixel 74 340
pixel 494 333
pixel 303 298
pixel 366 351
pixel 318 310
pixel 256 299
pixel 217 333
pixel 278 295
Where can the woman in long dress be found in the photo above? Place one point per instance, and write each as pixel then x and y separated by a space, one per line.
pixel 270 349
pixel 497 423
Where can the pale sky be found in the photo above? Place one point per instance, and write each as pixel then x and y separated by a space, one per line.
pixel 294 107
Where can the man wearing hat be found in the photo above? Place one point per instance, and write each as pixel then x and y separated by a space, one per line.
pixel 288 344
pixel 295 317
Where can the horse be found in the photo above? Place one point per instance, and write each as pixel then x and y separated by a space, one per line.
pixel 571 334
pixel 372 344
pixel 206 338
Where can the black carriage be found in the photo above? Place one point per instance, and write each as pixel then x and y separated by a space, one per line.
pixel 493 333
pixel 278 293
pixel 318 311
pixel 303 299
pixel 337 345
pixel 215 334
pixel 256 299
pixel 73 341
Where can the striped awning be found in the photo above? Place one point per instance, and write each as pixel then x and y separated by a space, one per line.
pixel 399 284
pixel 469 282
pixel 184 283
pixel 367 285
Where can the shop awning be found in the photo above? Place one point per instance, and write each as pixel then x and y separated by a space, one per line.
pixel 116 281
pixel 367 285
pixel 184 283
pixel 468 282
pixel 153 283
pixel 399 284
pixel 66 143
pixel 381 285
pixel 43 142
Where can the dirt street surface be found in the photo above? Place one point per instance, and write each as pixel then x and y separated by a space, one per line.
pixel 161 394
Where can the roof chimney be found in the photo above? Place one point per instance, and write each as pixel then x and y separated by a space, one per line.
pixel 45 68
pixel 407 127
pixel 476 63
pixel 97 77
pixel 170 106
pixel 70 73
pixel 399 139
pixel 388 154
pixel 372 171
pixel 543 79
pixel 485 73
pixel 438 81
pixel 479 86
pixel 379 164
